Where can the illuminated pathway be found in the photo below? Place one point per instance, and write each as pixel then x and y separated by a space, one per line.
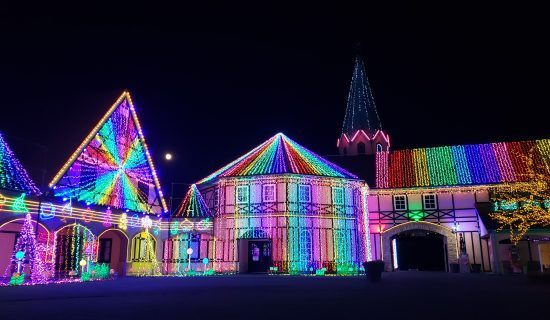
pixel 399 295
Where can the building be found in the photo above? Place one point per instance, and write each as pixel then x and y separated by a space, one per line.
pixel 281 207
pixel 427 206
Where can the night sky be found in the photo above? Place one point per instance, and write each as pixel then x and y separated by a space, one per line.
pixel 210 83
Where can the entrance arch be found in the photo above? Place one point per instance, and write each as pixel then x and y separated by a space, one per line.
pixel 449 240
pixel 113 249
pixel 73 243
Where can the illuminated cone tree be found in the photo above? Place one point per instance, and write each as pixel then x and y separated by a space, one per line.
pixel 26 244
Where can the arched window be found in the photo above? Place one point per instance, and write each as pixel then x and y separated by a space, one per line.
pixel 361 149
pixel 378 147
pixel 143 247
pixel 306 249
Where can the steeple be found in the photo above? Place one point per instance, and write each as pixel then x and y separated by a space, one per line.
pixel 362 130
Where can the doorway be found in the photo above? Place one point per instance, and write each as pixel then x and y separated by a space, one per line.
pixel 419 250
pixel 259 255
pixel 112 250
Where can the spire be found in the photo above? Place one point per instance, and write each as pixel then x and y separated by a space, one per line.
pixel 361 110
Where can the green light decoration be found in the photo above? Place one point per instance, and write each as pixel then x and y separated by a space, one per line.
pixel 416 215
pixel 19 204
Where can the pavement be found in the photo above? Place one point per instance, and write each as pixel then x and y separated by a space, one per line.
pixel 399 295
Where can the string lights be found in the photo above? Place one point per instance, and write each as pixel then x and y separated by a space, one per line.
pixel 12 174
pixel 279 155
pixel 113 166
pixel 193 205
pixel 460 165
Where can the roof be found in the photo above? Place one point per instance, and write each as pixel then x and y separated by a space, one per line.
pixel 279 155
pixel 193 205
pixel 361 110
pixel 12 174
pixel 474 164
pixel 112 166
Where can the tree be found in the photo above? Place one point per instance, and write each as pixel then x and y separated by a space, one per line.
pixel 523 205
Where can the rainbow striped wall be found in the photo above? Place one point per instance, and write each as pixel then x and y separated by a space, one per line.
pixel 460 165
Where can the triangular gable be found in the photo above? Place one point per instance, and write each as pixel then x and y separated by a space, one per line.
pixel 193 205
pixel 12 174
pixel 280 155
pixel 112 166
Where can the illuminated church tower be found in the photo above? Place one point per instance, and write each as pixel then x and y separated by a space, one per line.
pixel 362 131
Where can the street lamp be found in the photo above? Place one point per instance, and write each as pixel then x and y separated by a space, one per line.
pixel 168 156
pixel 189 253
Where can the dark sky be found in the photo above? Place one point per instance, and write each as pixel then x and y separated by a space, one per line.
pixel 211 82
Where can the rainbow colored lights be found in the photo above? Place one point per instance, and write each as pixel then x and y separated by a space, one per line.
pixel 460 165
pixel 279 155
pixel 193 205
pixel 113 167
pixel 12 174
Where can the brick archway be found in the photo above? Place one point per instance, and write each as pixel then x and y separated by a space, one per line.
pixel 449 239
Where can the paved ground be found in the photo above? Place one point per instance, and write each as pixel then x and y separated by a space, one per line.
pixel 400 295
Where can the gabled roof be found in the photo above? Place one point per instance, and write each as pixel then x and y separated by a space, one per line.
pixel 474 164
pixel 361 110
pixel 113 166
pixel 279 155
pixel 12 174
pixel 193 205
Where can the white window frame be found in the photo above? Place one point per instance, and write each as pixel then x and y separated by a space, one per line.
pixel 265 187
pixel 216 199
pixel 247 188
pixel 308 187
pixel 334 195
pixel 425 197
pixel 395 197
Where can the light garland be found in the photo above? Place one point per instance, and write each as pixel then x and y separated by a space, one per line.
pixel 361 110
pixel 494 163
pixel 193 205
pixel 520 208
pixel 113 165
pixel 279 155
pixel 12 174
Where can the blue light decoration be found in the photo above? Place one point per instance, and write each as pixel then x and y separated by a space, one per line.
pixel 47 211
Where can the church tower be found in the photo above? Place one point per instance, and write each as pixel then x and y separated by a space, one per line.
pixel 362 131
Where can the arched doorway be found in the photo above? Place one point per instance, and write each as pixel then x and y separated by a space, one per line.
pixel 419 239
pixel 113 249
pixel 73 243
pixel 419 250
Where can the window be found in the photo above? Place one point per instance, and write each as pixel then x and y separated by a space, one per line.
pixel 361 148
pixel 304 193
pixel 430 201
pixel 143 247
pixel 216 199
pixel 378 147
pixel 400 202
pixel 268 193
pixel 242 194
pixel 105 250
pixel 338 195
